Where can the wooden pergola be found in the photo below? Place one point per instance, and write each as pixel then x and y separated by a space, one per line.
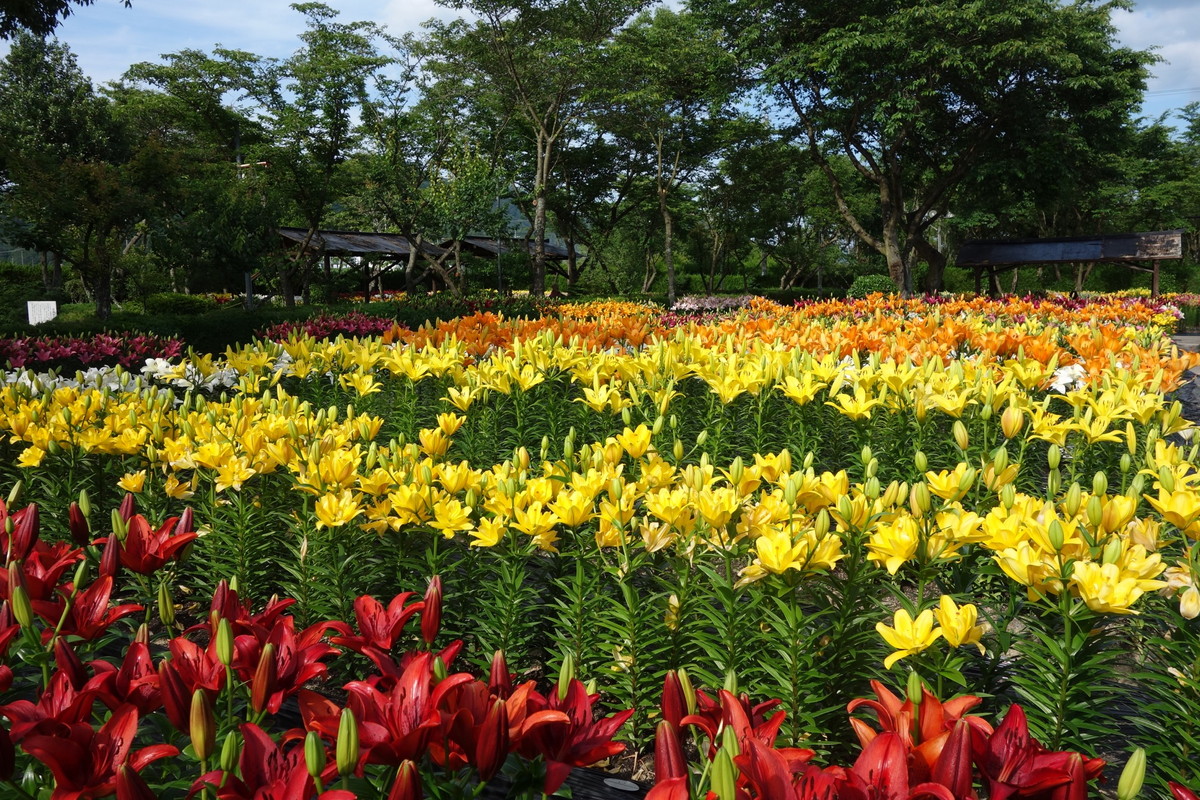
pixel 385 249
pixel 1138 251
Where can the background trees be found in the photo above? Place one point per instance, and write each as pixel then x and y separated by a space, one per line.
pixel 729 144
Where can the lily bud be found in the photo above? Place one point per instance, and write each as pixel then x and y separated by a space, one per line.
pixel 920 501
pixel 1055 535
pixel 1011 421
pixel 440 672
pixel 1113 549
pixel 723 777
pixel 230 750
pixel 431 614
pixel 1100 484
pixel 1166 478
pixel 626 417
pixel 677 450
pixel 499 678
pixel 166 605
pixel 731 682
pixel 77 523
pixel 1130 784
pixel 202 726
pixel 1053 457
pixel 128 507
pixel 689 692
pixel 1072 500
pixel 19 600
pixel 120 529
pixel 492 747
pixel 1000 459
pixel 729 741
pixel 408 783
pixel 224 642
pixel 314 754
pixel 702 437
pixel 668 752
pixel 565 675
pixel 1053 483
pixel 14 494
pixel 915 688
pixel 346 753
pixel 264 680
pixel 921 461
pixel 872 468
pixel 1126 463
pixel 1094 511
pixel 1008 496
pixel 961 438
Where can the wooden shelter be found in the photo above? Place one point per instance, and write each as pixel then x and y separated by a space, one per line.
pixel 379 252
pixel 1139 251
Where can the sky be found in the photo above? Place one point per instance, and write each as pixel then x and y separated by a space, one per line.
pixel 107 37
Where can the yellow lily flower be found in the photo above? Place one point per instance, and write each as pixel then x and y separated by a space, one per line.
pixel 908 636
pixel 335 510
pixel 958 623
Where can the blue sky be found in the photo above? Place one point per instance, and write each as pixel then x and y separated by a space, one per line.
pixel 107 37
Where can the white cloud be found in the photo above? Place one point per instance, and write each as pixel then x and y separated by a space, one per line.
pixel 1172 29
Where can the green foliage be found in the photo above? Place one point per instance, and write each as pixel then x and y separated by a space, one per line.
pixel 171 303
pixel 868 284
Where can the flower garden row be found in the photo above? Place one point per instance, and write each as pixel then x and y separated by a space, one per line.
pixel 773 501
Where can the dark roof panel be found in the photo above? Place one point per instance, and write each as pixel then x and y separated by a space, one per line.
pixel 1148 246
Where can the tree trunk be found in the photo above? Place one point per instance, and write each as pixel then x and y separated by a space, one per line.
pixel 538 285
pixel 104 290
pixel 572 264
pixel 410 283
pixel 936 260
pixel 668 241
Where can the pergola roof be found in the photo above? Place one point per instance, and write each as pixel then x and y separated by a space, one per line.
pixel 357 243
pixel 1148 246
pixel 487 246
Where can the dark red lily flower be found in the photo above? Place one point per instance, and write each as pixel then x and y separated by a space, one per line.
pixel 146 550
pixel 267 772
pixel 135 681
pixel 89 615
pixel 227 605
pixel 85 762
pixel 746 718
pixel 130 785
pixel 668 753
pixel 924 728
pixel 881 773
pixel 1014 763
pixel 59 707
pixel 8 755
pixel 379 627
pixel 579 741
pixel 197 667
pixel 42 572
pixel 293 660
pixel 431 614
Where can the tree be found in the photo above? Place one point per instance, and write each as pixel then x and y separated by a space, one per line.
pixel 38 17
pixel 52 115
pixel 916 94
pixel 672 86
pixel 308 105
pixel 533 60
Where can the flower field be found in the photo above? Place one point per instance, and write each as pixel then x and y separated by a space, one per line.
pixel 733 526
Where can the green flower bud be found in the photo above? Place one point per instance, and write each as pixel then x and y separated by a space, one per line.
pixel 566 674
pixel 347 743
pixel 1100 483
pixel 1130 784
pixel 225 642
pixel 723 776
pixel 14 495
pixel 85 503
pixel 1072 500
pixel 230 750
pixel 314 754
pixel 921 461
pixel 1054 457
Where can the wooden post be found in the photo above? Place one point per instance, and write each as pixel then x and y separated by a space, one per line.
pixel 978 280
pixel 1154 279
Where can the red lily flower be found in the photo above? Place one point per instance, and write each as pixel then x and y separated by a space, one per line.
pixel 266 773
pixel 86 761
pixel 881 773
pixel 226 605
pixel 379 627
pixel 1014 763
pixel 135 682
pixel 41 572
pixel 924 729
pixel 89 615
pixel 283 663
pixel 58 708
pixel 579 741
pixel 408 783
pixel 746 718
pixel 146 550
